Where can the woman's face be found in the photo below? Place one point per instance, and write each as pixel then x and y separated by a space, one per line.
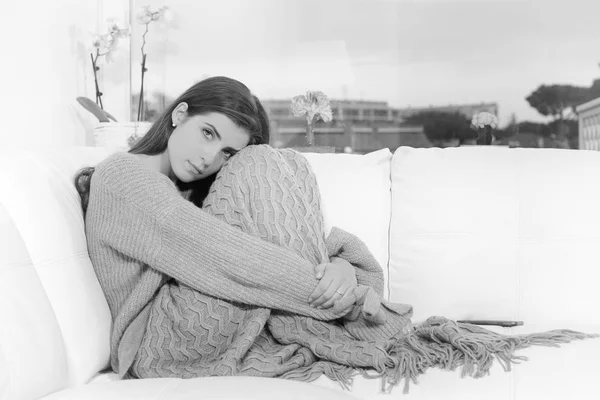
pixel 200 145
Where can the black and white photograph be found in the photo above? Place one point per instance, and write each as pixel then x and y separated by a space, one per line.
pixel 300 199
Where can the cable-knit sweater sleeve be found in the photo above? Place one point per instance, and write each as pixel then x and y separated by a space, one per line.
pixel 148 220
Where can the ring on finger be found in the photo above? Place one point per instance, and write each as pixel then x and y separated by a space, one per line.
pixel 340 293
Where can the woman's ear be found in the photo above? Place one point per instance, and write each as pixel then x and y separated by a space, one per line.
pixel 179 114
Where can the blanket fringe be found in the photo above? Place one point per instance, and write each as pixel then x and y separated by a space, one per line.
pixel 446 344
pixel 342 374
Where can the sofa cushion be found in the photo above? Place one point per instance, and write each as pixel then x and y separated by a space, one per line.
pixel 224 388
pixel 496 233
pixel 32 355
pixel 434 384
pixel 568 372
pixel 56 322
pixel 355 193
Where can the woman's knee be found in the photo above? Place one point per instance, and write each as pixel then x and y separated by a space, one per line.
pixel 255 160
pixel 257 150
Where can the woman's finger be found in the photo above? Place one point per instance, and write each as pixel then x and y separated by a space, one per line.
pixel 335 296
pixel 319 291
pixel 332 293
pixel 347 300
pixel 326 295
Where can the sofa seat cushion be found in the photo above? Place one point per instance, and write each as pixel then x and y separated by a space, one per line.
pixel 202 388
pixel 568 372
pixel 434 384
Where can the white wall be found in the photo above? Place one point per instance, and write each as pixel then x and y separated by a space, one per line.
pixel 45 65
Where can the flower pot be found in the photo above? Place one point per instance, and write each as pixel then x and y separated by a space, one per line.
pixel 116 135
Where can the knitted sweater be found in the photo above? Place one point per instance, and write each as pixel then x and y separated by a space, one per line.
pixel 142 233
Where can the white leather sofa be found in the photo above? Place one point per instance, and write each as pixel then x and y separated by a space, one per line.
pixel 467 233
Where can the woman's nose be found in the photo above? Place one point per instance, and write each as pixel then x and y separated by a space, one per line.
pixel 209 158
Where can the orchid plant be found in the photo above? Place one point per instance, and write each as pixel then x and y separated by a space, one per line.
pixel 146 16
pixel 315 105
pixel 104 45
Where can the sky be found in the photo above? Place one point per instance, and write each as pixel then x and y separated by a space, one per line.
pixel 407 53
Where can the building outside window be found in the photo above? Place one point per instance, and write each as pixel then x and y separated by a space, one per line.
pixel 589 125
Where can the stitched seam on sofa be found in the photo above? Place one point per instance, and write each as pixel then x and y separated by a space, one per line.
pixel 389 232
pixel 560 239
pixel 44 262
pixel 511 376
pixel 16 265
pixel 443 234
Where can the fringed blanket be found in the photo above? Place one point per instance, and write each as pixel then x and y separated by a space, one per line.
pixel 273 194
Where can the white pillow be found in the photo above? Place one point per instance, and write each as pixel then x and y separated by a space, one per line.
pixel 486 232
pixel 355 193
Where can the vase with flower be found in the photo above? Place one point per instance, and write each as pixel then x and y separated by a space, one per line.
pixel 315 106
pixel 484 124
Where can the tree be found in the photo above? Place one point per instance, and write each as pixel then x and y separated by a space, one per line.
pixel 442 127
pixel 554 100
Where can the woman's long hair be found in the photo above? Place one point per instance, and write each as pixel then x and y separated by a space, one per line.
pixel 217 94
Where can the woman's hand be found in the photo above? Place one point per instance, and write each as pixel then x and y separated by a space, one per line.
pixel 337 280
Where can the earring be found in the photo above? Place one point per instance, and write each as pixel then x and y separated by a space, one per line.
pixel 174 124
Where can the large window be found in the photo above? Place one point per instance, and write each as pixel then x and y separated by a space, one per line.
pixel 396 72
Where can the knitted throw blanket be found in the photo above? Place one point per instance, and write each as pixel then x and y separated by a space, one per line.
pixel 273 194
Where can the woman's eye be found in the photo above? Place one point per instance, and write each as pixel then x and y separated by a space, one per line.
pixel 208 133
pixel 228 154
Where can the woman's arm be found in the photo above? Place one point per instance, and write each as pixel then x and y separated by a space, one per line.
pixel 145 218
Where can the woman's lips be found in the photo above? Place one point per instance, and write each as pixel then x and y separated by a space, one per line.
pixel 195 168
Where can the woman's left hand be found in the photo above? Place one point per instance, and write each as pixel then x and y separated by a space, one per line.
pixel 337 281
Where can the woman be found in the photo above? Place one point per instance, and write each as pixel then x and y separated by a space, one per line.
pixel 230 288
pixel 142 235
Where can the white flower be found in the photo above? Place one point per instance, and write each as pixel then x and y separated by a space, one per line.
pixel 145 15
pixel 159 14
pixel 113 28
pixel 115 31
pixel 107 42
pixel 97 41
pixel 167 15
pixel 102 42
pixel 313 104
pixel 481 119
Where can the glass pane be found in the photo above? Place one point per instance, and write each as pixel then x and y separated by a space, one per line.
pixel 397 73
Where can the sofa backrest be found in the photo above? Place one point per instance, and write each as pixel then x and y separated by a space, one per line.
pixel 496 233
pixel 55 321
pixel 355 196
